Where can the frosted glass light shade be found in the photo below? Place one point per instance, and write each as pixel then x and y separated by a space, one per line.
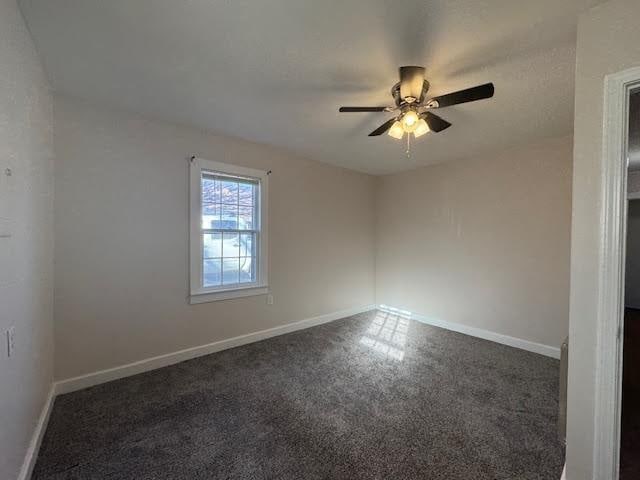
pixel 396 131
pixel 421 128
pixel 410 121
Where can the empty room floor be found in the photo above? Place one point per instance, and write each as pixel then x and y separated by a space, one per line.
pixel 373 396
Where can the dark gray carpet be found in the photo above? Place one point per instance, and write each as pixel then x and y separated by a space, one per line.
pixel 369 397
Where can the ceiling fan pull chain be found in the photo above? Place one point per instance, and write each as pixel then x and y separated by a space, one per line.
pixel 408 145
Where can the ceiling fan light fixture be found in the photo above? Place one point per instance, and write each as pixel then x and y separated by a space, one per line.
pixel 410 121
pixel 396 131
pixel 421 128
pixel 413 109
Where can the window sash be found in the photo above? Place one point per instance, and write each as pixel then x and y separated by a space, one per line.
pixel 255 255
pixel 255 206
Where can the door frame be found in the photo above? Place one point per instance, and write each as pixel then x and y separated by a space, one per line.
pixel 613 221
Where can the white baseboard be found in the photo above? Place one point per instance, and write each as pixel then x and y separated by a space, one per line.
pixel 103 376
pixel 36 439
pixel 540 348
pixel 91 379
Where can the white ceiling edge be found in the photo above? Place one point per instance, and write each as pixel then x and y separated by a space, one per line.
pixel 91 105
pixel 116 110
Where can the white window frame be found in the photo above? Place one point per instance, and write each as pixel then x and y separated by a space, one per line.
pixel 199 293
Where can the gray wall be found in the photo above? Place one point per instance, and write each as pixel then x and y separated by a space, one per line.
pixel 121 226
pixel 26 258
pixel 607 43
pixel 482 242
pixel 632 268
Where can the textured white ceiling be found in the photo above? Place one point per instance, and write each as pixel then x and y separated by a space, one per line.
pixel 276 71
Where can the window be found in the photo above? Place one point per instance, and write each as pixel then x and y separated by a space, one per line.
pixel 228 231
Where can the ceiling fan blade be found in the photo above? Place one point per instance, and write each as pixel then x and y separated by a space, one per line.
pixel 363 109
pixel 411 83
pixel 382 128
pixel 463 96
pixel 436 124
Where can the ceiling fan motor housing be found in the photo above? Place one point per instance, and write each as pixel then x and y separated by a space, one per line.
pixel 395 93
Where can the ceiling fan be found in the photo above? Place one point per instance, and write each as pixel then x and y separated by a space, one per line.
pixel 414 108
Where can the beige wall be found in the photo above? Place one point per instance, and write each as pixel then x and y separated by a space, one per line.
pixel 607 43
pixel 482 242
pixel 26 258
pixel 121 226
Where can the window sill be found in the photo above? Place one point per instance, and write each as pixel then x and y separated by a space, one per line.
pixel 206 297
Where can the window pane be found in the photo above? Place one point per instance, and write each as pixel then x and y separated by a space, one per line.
pixel 210 190
pixel 230 273
pixel 245 221
pixel 229 208
pixel 211 272
pixel 210 216
pixel 246 192
pixel 246 245
pixel 229 192
pixel 212 245
pixel 247 270
pixel 230 245
pixel 228 218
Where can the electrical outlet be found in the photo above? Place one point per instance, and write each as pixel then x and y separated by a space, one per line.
pixel 269 299
pixel 11 341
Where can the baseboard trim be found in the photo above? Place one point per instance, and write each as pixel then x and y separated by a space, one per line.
pixel 520 343
pixel 36 439
pixel 103 376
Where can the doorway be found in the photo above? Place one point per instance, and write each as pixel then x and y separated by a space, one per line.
pixel 617 184
pixel 630 420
